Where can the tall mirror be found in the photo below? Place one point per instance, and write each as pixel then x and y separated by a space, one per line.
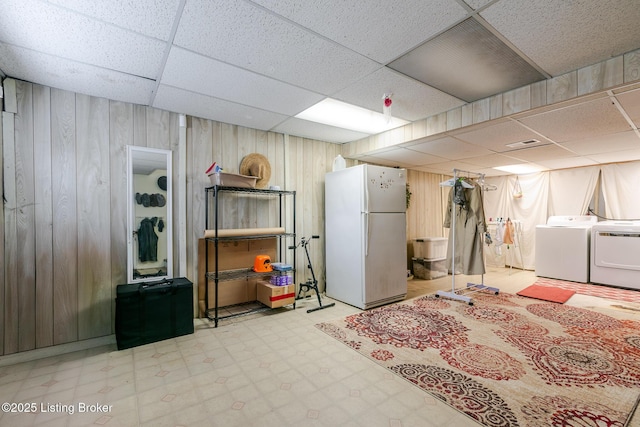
pixel 149 225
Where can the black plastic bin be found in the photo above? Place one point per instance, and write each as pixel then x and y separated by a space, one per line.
pixel 147 312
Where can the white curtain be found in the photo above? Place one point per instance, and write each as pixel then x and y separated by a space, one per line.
pixel 530 209
pixel 562 192
pixel 620 190
pixel 571 190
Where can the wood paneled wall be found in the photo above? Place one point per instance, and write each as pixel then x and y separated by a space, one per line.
pixel 296 164
pixel 425 215
pixel 64 220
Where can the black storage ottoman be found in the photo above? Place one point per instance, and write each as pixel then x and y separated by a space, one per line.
pixel 147 312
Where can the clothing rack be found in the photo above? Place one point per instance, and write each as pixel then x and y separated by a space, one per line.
pixel 471 287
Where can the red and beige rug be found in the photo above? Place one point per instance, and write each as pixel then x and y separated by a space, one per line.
pixel 601 291
pixel 507 360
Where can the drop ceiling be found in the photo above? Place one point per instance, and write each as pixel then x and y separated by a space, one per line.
pixel 259 63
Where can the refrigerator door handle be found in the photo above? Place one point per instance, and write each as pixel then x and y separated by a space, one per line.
pixel 365 183
pixel 366 234
pixel 366 198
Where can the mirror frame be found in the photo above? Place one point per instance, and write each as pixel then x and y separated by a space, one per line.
pixel 135 153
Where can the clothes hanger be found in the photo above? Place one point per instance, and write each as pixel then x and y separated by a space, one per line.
pixel 452 181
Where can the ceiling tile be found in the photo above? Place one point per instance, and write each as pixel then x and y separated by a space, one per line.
pixel 269 45
pixel 630 102
pixel 603 143
pixel 496 136
pixel 447 168
pixel 412 100
pixel 194 104
pixel 406 157
pixel 477 4
pixel 224 81
pixel 566 162
pixel 469 62
pixel 579 121
pixel 318 131
pixel 74 76
pixel 535 154
pixel 562 36
pixel 616 156
pixel 152 18
pixel 79 38
pixel 378 29
pixel 490 161
pixel 450 148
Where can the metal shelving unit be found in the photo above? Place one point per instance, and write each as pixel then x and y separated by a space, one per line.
pixel 213 313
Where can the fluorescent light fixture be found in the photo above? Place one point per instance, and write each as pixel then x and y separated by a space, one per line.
pixel 340 114
pixel 520 169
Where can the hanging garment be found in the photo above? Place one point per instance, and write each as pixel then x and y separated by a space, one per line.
pixel 470 227
pixel 499 238
pixel 147 240
pixel 508 233
pixel 459 194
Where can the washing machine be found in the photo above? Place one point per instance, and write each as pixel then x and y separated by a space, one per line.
pixel 563 247
pixel 615 246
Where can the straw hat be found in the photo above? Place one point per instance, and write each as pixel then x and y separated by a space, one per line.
pixel 256 164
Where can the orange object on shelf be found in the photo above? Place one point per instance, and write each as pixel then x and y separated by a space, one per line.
pixel 262 264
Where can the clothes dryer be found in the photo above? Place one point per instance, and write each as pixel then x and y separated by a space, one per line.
pixel 615 246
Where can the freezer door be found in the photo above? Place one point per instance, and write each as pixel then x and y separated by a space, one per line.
pixel 385 258
pixel 385 189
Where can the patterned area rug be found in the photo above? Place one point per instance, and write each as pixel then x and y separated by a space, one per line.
pixel 593 290
pixel 507 360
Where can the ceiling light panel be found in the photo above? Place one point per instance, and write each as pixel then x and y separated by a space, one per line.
pixel 340 114
pixel 468 62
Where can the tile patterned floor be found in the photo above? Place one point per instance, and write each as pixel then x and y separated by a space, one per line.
pixel 272 369
pixel 601 291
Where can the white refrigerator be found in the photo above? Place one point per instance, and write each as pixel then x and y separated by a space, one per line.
pixel 366 245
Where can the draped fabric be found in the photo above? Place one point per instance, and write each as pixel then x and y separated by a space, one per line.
pixel 561 192
pixel 571 190
pixel 620 190
pixel 470 226
pixel 531 209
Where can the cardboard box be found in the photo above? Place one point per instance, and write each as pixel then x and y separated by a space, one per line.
pixel 276 296
pixel 235 254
